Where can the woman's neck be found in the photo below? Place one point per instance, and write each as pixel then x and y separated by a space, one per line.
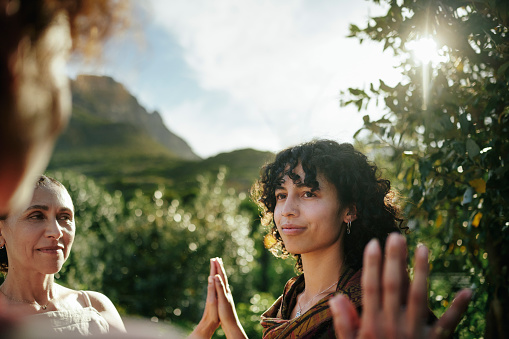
pixel 29 287
pixel 321 269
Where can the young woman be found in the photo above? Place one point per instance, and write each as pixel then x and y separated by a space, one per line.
pixel 329 208
pixel 325 202
pixel 34 244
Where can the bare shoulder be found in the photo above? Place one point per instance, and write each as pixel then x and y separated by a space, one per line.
pixel 104 306
pixel 99 301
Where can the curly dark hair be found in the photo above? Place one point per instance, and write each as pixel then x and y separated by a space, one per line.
pixel 358 185
pixel 43 181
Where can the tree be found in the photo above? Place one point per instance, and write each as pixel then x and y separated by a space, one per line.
pixel 447 125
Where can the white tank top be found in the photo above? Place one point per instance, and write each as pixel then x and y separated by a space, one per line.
pixel 85 321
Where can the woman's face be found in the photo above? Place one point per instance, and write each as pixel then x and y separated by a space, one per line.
pixel 39 238
pixel 308 221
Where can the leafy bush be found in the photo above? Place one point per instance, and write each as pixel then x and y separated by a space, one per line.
pixel 151 256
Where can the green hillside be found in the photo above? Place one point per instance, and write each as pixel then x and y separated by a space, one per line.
pixel 125 156
pixel 104 98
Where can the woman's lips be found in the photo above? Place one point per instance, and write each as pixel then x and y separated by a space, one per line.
pixel 50 250
pixel 292 229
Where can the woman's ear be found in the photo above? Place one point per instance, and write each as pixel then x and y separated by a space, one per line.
pixel 351 214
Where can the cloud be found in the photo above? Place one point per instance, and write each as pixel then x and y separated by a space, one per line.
pixel 211 128
pixel 278 62
pixel 265 74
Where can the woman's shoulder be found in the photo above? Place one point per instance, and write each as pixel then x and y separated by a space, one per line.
pixel 87 298
pixel 98 300
pixel 104 306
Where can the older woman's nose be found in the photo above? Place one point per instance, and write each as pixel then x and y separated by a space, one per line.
pixel 53 229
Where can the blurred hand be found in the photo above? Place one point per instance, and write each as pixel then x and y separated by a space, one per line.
pixel 10 322
pixel 387 312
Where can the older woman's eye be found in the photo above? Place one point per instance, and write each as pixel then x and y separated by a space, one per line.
pixel 65 217
pixel 36 216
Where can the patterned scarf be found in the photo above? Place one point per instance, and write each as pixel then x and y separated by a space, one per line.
pixel 317 321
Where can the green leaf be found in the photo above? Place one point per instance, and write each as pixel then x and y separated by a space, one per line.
pixel 357 92
pixel 502 70
pixel 357 132
pixel 472 148
pixel 384 87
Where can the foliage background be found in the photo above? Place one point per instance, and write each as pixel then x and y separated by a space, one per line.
pixel 445 133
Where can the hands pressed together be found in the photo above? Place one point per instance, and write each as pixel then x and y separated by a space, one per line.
pixel 219 306
pixel 390 308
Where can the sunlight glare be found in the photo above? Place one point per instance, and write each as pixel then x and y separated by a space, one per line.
pixel 425 50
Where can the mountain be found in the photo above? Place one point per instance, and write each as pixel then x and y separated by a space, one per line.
pixel 104 98
pixel 114 140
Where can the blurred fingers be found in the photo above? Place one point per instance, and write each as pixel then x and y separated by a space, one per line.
pixel 392 281
pixel 446 325
pixel 418 294
pixel 345 317
pixel 371 275
pixel 404 270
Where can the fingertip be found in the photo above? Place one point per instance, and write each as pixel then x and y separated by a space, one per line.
pixel 372 247
pixel 464 296
pixel 335 304
pixel 344 316
pixel 469 293
pixel 421 251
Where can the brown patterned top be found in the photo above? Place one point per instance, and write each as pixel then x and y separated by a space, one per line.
pixel 315 322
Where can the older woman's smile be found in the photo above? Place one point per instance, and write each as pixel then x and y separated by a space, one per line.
pixel 51 249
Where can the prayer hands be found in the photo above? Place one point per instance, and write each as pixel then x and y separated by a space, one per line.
pixel 388 310
pixel 219 307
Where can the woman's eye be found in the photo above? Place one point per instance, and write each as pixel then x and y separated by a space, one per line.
pixel 65 217
pixel 280 196
pixel 36 216
pixel 309 194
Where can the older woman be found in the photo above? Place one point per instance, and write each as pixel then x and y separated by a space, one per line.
pixel 34 244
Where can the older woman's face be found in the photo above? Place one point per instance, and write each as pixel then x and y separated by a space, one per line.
pixel 39 239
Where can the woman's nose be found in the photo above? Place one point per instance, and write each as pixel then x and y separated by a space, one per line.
pixel 290 207
pixel 53 229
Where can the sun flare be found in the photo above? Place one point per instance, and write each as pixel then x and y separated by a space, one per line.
pixel 425 50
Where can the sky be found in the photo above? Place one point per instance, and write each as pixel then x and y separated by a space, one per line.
pixel 262 74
